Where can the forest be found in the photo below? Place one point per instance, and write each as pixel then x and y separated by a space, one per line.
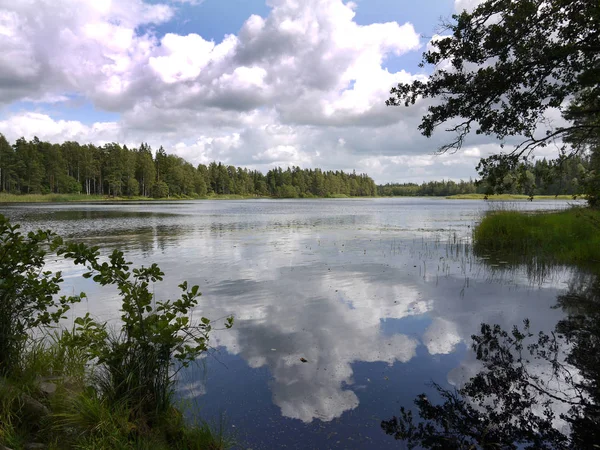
pixel 38 167
pixel 566 176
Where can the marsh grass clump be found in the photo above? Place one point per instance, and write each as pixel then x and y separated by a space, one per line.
pixel 571 236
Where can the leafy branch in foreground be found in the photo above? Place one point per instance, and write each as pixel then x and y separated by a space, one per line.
pixel 139 363
pixel 500 72
pixel 28 293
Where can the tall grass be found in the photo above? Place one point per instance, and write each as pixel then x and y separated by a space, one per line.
pixel 64 198
pixel 48 198
pixel 81 416
pixel 566 237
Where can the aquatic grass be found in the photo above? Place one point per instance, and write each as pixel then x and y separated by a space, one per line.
pixel 91 421
pixel 51 356
pixel 206 436
pixel 571 236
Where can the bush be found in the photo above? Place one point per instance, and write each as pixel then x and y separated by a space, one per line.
pixel 159 189
pixel 132 187
pixel 69 185
pixel 138 364
pixel 27 292
pixel 126 402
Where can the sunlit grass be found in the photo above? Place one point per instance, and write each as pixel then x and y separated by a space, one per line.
pixel 571 236
pixel 48 198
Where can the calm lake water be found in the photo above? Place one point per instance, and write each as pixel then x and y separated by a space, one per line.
pixel 380 296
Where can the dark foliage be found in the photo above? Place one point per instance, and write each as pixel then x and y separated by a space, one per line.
pixel 525 379
pixel 503 66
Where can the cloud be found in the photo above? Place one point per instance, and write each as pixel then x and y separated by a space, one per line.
pixel 86 47
pixel 468 5
pixel 36 124
pixel 304 85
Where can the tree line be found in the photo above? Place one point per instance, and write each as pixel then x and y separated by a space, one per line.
pixel 428 189
pixel 39 167
pixel 570 175
pixel 564 176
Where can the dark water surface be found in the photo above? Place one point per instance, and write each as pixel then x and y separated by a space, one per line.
pixel 380 296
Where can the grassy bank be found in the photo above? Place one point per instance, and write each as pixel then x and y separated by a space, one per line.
pixel 51 401
pixel 94 385
pixel 566 237
pixel 64 198
pixel 501 197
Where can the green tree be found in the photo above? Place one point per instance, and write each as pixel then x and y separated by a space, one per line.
pixel 501 68
pixel 145 171
pixel 29 166
pixel 7 166
pixel 159 189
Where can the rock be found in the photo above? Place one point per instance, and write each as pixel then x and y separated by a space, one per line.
pixel 32 408
pixel 34 446
pixel 47 388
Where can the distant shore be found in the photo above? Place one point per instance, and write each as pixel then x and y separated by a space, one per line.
pixel 501 197
pixel 69 198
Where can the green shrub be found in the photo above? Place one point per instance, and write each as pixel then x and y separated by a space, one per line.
pixel 138 363
pixel 126 401
pixel 159 189
pixel 27 292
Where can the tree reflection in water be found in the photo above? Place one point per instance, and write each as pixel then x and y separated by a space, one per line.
pixel 534 391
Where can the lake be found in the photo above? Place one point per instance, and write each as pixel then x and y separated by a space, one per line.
pixel 379 296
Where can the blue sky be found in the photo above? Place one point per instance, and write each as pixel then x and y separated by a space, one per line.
pixel 247 82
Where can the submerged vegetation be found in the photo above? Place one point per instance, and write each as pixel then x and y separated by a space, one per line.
pixel 93 386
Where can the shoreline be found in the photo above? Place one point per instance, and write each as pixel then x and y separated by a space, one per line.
pixel 504 197
pixel 82 198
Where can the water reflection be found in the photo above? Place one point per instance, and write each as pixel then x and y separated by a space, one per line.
pixel 529 389
pixel 377 296
pixel 331 325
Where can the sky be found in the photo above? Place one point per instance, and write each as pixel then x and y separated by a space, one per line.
pixel 254 83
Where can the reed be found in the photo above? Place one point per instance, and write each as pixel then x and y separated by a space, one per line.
pixel 571 236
